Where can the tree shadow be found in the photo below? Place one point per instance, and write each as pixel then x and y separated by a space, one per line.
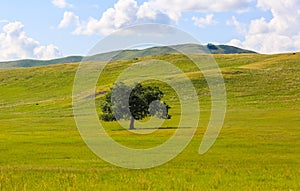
pixel 149 128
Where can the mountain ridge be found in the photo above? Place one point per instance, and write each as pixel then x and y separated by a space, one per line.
pixel 130 54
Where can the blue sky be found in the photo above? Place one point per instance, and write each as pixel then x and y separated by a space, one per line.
pixel 55 28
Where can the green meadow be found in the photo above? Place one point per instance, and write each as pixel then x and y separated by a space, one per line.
pixel 258 147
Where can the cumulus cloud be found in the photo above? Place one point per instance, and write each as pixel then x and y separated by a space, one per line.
pixel 68 19
pixel 202 22
pixel 46 52
pixel 16 45
pixel 123 13
pixel 128 12
pixel 279 34
pixel 175 9
pixel 61 4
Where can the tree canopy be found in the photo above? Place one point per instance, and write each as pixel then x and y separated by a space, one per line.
pixel 124 102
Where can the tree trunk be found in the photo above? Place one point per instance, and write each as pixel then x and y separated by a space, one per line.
pixel 131 123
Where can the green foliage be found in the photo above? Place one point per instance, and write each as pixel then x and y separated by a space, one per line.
pixel 122 102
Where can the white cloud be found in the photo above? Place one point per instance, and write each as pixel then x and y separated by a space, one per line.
pixel 122 14
pixel 46 52
pixel 176 7
pixel 3 21
pixel 127 12
pixel 204 21
pixel 61 4
pixel 68 19
pixel 280 34
pixel 240 27
pixel 16 45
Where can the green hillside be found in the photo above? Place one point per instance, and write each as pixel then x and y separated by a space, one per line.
pixel 131 54
pixel 30 63
pixel 257 149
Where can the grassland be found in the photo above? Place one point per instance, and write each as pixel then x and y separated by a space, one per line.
pixel 257 149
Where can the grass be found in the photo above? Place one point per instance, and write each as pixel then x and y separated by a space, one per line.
pixel 257 149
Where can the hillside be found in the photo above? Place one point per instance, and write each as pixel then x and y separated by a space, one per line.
pixel 257 149
pixel 131 54
pixel 30 63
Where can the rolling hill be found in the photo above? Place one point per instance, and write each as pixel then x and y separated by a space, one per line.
pixel 131 54
pixel 257 149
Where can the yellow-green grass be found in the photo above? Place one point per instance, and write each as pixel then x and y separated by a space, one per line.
pixel 257 149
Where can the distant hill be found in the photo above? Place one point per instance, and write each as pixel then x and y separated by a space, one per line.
pixel 161 50
pixel 31 63
pixel 131 54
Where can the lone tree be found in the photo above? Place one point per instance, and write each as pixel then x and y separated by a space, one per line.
pixel 122 102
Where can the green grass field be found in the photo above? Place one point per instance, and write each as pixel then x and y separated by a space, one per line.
pixel 257 149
